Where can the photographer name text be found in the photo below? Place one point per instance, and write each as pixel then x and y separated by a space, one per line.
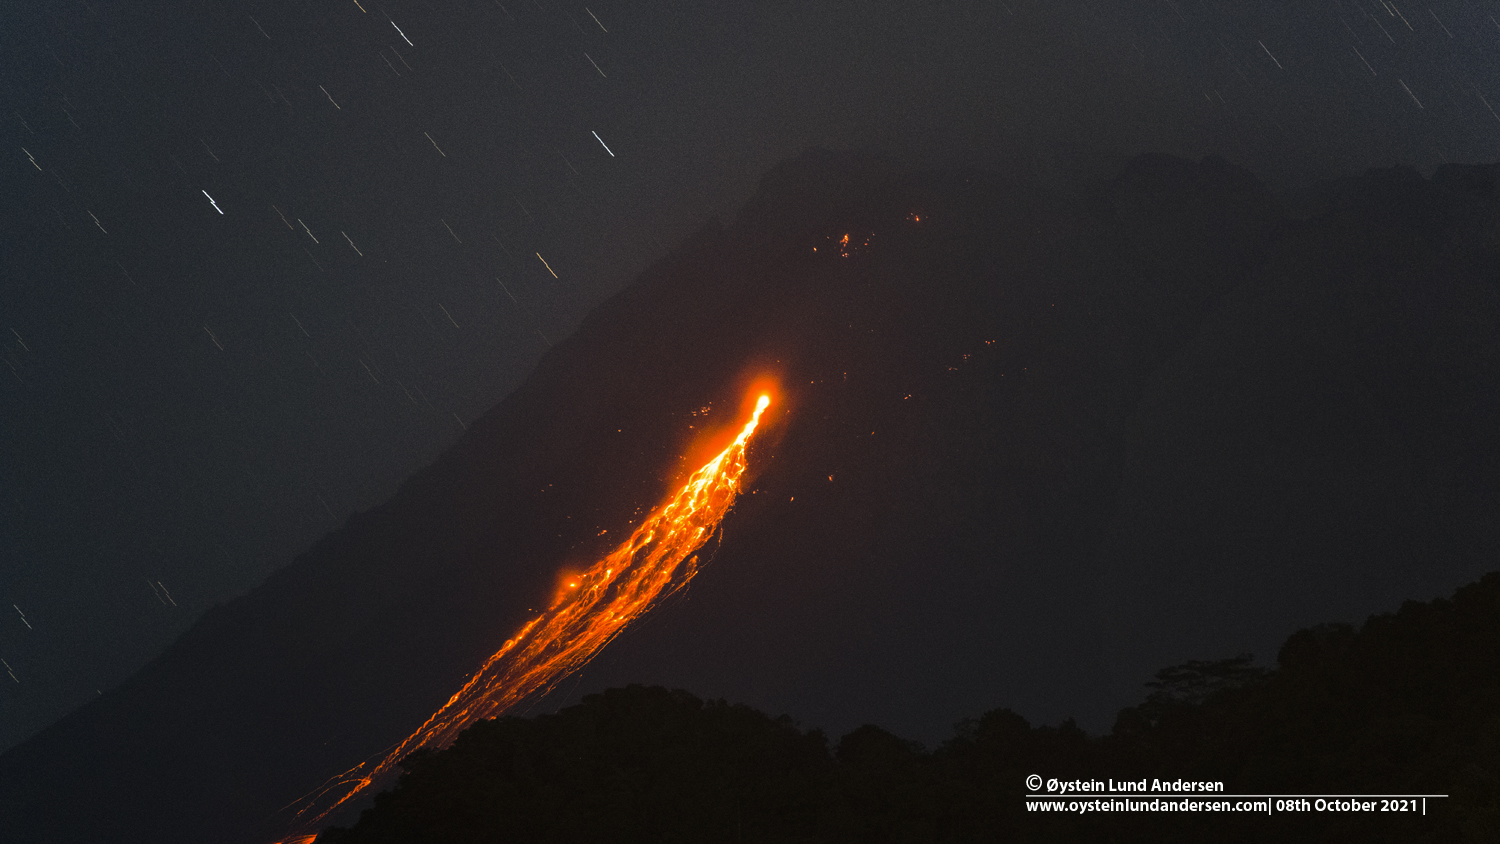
pixel 1141 786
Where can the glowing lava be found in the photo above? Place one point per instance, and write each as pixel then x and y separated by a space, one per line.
pixel 597 604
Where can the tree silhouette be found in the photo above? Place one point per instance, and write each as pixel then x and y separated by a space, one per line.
pixel 1407 704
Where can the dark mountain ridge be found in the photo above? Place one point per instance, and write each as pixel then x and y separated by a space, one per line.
pixel 963 491
pixel 1406 704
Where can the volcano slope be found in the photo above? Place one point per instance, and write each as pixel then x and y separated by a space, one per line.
pixel 1406 704
pixel 1029 446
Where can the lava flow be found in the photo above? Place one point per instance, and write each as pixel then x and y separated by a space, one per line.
pixel 655 561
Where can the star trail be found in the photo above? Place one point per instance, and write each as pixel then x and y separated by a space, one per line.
pixel 202 378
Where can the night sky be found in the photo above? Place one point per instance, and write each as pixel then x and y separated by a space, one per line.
pixel 259 261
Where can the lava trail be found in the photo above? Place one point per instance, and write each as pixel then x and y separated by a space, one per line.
pixel 655 561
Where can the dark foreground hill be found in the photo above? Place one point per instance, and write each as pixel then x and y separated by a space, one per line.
pixel 1030 445
pixel 1409 704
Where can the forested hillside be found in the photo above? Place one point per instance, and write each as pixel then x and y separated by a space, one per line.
pixel 1409 703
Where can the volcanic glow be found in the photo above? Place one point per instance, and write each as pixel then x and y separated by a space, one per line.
pixel 592 609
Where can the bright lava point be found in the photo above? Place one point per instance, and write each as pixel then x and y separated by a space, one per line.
pixel 655 561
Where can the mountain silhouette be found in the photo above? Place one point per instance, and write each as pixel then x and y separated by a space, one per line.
pixel 1405 705
pixel 1030 445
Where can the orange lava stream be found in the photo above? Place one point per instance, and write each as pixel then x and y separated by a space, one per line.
pixel 655 561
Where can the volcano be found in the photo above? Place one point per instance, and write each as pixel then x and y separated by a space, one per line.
pixel 1028 446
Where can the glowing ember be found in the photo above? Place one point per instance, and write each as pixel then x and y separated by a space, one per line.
pixel 597 604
